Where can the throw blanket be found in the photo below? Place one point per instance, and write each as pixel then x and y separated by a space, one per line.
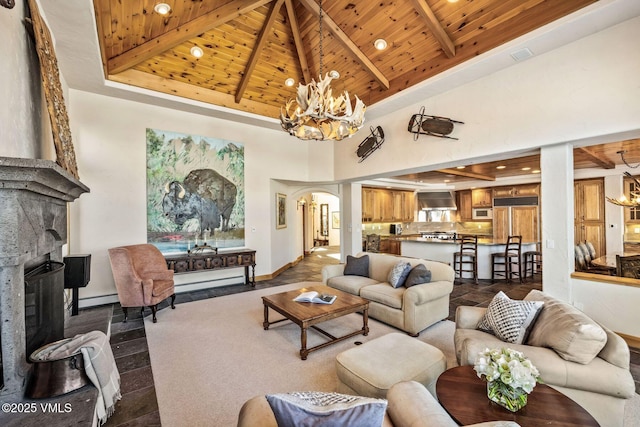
pixel 99 366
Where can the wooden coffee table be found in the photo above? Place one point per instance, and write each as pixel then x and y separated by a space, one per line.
pixel 464 396
pixel 306 314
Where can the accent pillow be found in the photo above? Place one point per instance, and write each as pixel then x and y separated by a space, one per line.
pixel 508 319
pixel 418 274
pixel 322 409
pixel 357 266
pixel 398 274
pixel 567 330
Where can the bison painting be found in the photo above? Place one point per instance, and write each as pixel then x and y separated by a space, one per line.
pixel 204 195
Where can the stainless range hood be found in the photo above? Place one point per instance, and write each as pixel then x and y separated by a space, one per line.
pixel 438 200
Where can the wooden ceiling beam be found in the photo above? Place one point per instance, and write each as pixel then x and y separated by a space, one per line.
pixel 435 27
pixel 257 48
pixel 603 163
pixel 181 34
pixel 313 7
pixel 297 39
pixel 189 91
pixel 467 174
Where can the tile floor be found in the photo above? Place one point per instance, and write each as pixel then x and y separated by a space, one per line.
pixel 139 407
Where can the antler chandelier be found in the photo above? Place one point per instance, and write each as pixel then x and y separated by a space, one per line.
pixel 635 195
pixel 318 115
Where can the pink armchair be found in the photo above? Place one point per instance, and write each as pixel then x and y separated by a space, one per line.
pixel 142 277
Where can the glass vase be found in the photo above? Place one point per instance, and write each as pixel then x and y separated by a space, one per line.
pixel 510 398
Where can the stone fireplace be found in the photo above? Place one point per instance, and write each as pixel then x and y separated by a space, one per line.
pixel 33 215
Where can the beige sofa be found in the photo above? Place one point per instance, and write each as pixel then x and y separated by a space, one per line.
pixel 409 309
pixel 409 404
pixel 601 386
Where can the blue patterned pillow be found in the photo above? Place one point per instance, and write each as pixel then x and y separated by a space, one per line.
pixel 399 273
pixel 323 409
pixel 510 320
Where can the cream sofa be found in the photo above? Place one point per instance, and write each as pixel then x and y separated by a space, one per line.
pixel 409 309
pixel 409 404
pixel 601 386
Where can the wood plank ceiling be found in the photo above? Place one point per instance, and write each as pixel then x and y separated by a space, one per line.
pixel 252 46
pixel 603 156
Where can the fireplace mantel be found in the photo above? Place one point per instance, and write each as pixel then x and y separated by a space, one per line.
pixel 33 211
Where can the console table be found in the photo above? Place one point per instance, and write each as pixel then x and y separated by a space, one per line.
pixel 233 258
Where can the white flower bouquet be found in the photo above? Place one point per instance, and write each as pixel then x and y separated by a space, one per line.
pixel 509 374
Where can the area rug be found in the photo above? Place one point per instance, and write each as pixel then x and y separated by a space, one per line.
pixel 209 357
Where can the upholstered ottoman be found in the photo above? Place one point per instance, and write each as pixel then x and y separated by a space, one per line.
pixel 372 368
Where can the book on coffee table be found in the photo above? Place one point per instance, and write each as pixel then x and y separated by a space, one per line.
pixel 315 297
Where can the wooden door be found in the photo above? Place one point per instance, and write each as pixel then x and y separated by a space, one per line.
pixel 589 221
pixel 524 222
pixel 500 223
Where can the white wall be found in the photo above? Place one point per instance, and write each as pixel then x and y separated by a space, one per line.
pixel 585 89
pixel 111 152
pixel 24 128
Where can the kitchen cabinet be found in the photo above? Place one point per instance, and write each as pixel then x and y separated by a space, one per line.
pixel 631 215
pixel 464 202
pixel 384 246
pixel 589 221
pixel 481 198
pixel 516 191
pixel 381 205
pixel 516 221
pixel 394 247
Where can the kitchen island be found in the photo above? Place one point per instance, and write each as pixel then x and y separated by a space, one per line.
pixel 443 250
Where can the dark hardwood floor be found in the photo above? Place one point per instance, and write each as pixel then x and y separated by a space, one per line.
pixel 139 407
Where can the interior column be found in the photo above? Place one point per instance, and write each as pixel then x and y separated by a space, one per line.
pixel 556 165
pixel 351 220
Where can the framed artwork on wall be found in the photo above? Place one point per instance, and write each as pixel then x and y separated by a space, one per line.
pixel 281 210
pixel 195 191
pixel 324 220
pixel 335 219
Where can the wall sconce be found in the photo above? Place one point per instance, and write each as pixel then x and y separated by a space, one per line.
pixel 300 203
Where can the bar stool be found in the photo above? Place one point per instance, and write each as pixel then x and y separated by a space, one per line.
pixel 532 262
pixel 466 259
pixel 508 263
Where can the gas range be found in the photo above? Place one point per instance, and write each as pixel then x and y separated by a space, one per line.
pixel 441 235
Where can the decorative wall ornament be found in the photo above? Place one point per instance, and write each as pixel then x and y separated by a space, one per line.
pixel 371 143
pixel 65 154
pixel 8 3
pixel 425 124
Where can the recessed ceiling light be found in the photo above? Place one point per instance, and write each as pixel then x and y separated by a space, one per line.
pixel 447 180
pixel 460 167
pixel 380 44
pixel 289 82
pixel 526 168
pixel 501 167
pixel 197 52
pixel 452 1
pixel 536 171
pixel 162 8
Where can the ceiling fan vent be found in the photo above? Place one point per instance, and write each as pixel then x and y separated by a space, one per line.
pixel 521 55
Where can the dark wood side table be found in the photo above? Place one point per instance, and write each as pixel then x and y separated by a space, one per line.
pixel 224 258
pixel 464 396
